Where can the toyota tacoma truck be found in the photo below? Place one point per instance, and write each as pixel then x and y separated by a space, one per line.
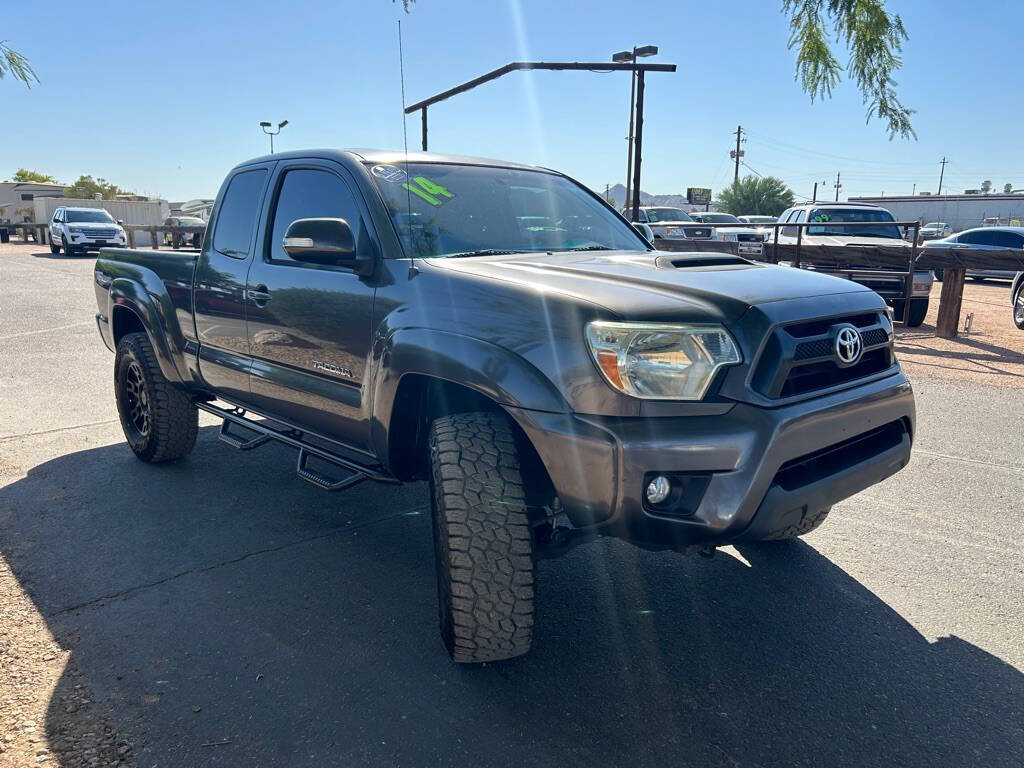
pixel 402 317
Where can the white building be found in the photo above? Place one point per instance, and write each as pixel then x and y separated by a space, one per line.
pixel 959 211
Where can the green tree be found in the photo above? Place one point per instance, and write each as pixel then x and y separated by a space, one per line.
pixel 758 195
pixel 24 174
pixel 986 186
pixel 13 63
pixel 874 40
pixel 1007 188
pixel 87 187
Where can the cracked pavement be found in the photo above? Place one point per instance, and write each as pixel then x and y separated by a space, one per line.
pixel 221 612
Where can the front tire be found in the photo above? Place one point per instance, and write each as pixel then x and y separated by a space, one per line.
pixel 159 420
pixel 67 248
pixel 811 521
pixel 918 311
pixel 483 544
pixel 54 247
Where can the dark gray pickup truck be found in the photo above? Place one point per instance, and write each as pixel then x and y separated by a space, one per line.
pixel 501 332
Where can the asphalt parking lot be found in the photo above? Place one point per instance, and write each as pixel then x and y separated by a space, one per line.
pixel 219 611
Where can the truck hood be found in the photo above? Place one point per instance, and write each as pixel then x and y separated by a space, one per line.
pixel 653 285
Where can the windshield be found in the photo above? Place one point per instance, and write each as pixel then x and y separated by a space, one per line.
pixel 97 216
pixel 719 218
pixel 442 209
pixel 834 215
pixel 666 214
pixel 758 219
pixel 934 225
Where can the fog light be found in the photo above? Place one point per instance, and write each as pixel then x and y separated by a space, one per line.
pixel 658 490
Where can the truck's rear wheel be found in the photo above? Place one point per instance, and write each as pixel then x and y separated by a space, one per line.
pixel 811 521
pixel 482 539
pixel 159 421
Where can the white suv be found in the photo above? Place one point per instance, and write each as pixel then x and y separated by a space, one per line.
pixel 78 230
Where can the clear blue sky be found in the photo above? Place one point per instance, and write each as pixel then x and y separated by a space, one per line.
pixel 164 100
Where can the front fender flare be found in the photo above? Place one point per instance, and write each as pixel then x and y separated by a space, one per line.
pixel 493 371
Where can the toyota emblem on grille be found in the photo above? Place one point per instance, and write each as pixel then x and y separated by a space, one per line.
pixel 849 345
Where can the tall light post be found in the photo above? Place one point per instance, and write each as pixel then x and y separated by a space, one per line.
pixel 265 125
pixel 620 58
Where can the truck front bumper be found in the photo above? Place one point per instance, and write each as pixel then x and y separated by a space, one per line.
pixel 735 476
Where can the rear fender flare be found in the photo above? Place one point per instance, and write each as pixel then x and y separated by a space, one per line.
pixel 146 296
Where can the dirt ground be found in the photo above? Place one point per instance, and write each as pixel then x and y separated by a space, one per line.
pixel 992 352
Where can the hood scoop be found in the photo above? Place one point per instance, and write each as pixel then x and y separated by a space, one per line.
pixel 703 260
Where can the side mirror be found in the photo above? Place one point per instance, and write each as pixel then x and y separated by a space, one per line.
pixel 120 222
pixel 644 231
pixel 320 241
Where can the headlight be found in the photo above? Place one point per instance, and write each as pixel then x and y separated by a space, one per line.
pixel 726 235
pixel 77 231
pixel 660 361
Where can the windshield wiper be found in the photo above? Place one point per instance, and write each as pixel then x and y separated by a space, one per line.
pixel 480 252
pixel 591 248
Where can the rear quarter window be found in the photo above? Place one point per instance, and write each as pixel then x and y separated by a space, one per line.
pixel 236 220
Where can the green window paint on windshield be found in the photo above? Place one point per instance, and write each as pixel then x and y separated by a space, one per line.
pixel 428 190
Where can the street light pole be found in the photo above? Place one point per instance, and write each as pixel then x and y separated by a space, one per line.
pixel 265 125
pixel 635 113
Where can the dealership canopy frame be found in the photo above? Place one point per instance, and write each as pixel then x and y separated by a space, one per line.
pixel 599 66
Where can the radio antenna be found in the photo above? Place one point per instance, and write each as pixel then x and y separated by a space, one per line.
pixel 405 138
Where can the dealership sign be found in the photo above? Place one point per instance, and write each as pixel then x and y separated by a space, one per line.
pixel 698 195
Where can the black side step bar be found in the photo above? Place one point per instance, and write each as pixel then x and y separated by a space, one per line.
pixel 263 433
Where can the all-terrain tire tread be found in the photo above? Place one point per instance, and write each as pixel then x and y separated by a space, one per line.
pixel 174 420
pixel 484 542
pixel 805 526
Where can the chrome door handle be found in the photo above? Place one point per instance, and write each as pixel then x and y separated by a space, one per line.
pixel 259 295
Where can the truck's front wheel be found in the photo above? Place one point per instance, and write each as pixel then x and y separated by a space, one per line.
pixel 482 539
pixel 159 421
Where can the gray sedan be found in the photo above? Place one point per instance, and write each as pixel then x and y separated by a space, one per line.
pixel 983 239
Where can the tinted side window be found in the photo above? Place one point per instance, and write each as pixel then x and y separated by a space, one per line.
pixel 311 194
pixel 236 219
pixel 1006 240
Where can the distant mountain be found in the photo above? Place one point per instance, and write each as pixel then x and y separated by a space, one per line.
pixel 618 193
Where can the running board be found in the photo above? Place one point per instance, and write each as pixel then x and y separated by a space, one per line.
pixel 263 433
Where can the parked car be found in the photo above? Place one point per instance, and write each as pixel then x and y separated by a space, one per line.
pixel 983 239
pixel 671 223
pixel 1017 298
pixel 178 239
pixel 79 230
pixel 832 231
pixel 934 230
pixel 393 320
pixel 750 240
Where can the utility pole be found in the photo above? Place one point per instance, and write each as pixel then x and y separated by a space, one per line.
pixel 942 173
pixel 814 199
pixel 914 190
pixel 838 186
pixel 737 154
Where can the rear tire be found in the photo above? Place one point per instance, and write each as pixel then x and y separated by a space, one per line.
pixel 1018 307
pixel 811 521
pixel 483 544
pixel 159 421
